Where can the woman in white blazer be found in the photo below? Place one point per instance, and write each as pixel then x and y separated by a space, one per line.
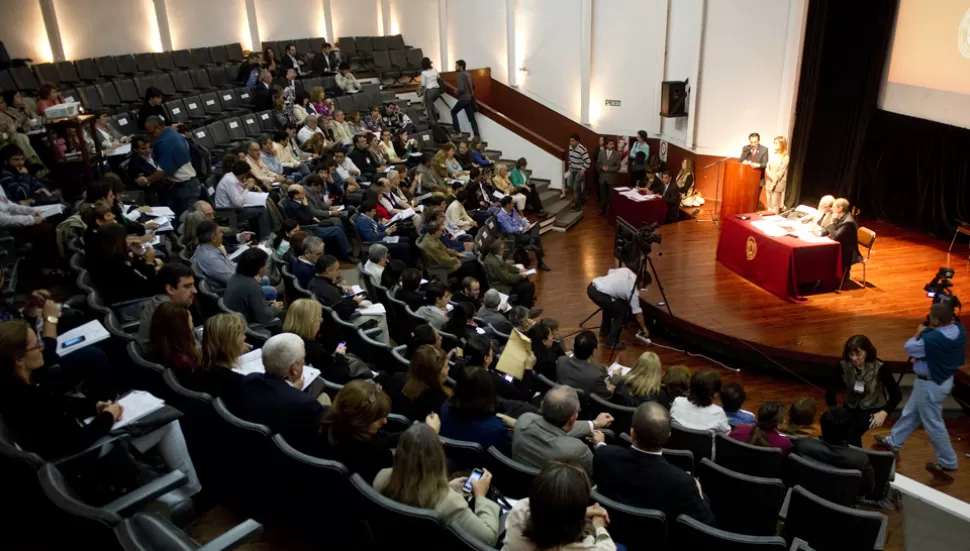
pixel 776 175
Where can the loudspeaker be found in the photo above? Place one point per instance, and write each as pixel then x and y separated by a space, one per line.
pixel 673 98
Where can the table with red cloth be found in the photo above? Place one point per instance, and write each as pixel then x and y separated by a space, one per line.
pixel 777 264
pixel 637 213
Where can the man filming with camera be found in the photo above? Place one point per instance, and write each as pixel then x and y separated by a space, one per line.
pixel 938 350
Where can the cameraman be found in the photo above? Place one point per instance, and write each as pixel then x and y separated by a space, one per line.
pixel 616 293
pixel 938 350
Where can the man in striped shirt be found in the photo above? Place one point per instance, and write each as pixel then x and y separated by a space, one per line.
pixel 576 179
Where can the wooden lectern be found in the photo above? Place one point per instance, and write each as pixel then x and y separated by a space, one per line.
pixel 742 188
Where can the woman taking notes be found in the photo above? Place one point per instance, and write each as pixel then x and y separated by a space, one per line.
pixel 776 175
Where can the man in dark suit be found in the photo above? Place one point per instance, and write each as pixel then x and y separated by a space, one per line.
pixel 833 447
pixel 579 371
pixel 845 230
pixel 639 476
pixel 670 193
pixel 276 398
pixel 609 164
pixel 263 92
pixel 755 155
pixel 326 62
pixel 291 60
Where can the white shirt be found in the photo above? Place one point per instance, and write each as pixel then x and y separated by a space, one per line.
pixel 374 271
pixel 230 193
pixel 344 168
pixel 306 133
pixel 620 284
pixel 184 173
pixel 429 78
pixel 688 415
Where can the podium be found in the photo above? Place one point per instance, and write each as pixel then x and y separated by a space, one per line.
pixel 742 188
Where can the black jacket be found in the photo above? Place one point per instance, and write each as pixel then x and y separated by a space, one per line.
pixel 364 457
pixel 838 456
pixel 644 480
pixel 299 212
pixel 845 230
pixel 262 97
pixel 214 382
pixel 363 160
pixel 118 282
pixel 332 295
pixel 428 401
pixel 271 401
pixel 621 396
pixel 414 299
pixel 324 64
pixel 333 367
pixel 671 196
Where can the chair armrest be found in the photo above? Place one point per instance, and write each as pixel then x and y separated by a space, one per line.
pixel 373 332
pixel 92 449
pixel 126 504
pixel 127 303
pixel 235 536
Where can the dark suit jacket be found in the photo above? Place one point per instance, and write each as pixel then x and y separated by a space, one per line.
pixel 286 62
pixel 582 374
pixel 760 157
pixel 413 299
pixel 262 97
pixel 324 64
pixel 841 457
pixel 214 382
pixel 671 196
pixel 271 401
pixel 845 230
pixel 298 211
pixel 644 480
pixel 428 401
pixel 332 295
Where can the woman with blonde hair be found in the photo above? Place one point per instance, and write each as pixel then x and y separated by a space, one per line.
pixel 642 383
pixel 422 389
pixel 419 478
pixel 223 342
pixel 503 183
pixel 320 103
pixel 685 178
pixel 776 175
pixel 303 319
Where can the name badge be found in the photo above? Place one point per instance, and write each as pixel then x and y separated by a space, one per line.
pixel 859 387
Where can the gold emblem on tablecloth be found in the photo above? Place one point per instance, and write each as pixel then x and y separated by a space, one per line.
pixel 751 248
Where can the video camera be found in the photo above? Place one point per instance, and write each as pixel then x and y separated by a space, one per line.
pixel 940 289
pixel 632 244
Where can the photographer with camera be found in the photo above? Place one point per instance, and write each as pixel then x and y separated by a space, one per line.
pixel 617 295
pixel 938 350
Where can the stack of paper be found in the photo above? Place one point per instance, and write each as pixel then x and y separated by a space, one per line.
pixel 634 195
pixel 529 272
pixel 504 305
pixel 252 362
pixel 373 310
pixel 164 224
pixel 89 333
pixel 391 239
pixel 161 211
pixel 122 149
pixel 420 198
pixel 136 405
pixel 403 215
pixel 616 369
pixel 621 189
pixel 49 210
pixel 357 289
pixel 769 228
pixel 255 199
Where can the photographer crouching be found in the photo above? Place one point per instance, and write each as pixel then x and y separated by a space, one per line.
pixel 938 350
pixel 617 294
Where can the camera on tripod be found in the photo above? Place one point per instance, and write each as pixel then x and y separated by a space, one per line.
pixel 940 289
pixel 633 244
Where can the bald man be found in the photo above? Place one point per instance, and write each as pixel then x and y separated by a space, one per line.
pixel 845 230
pixel 639 476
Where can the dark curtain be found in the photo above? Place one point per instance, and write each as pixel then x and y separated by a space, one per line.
pixel 845 48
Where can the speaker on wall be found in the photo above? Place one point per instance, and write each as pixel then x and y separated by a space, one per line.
pixel 673 98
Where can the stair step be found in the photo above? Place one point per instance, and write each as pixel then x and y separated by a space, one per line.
pixel 567 219
pixel 548 196
pixel 493 155
pixel 951 408
pixel 556 205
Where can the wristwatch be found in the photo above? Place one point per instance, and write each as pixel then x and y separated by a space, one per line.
pixel 52 320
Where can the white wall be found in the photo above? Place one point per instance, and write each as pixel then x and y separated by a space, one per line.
pixel 683 38
pixel 420 19
pixel 354 18
pixel 23 31
pixel 627 70
pixel 477 34
pixel 91 28
pixel 286 19
pixel 547 44
pixel 191 23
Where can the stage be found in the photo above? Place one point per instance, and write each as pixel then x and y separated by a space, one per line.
pixel 713 304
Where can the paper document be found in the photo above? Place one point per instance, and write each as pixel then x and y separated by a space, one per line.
pixel 774 218
pixel 403 215
pixel 479 330
pixel 616 368
pixel 92 332
pixel 621 189
pixel 809 238
pixel 769 228
pixel 504 305
pixel 135 405
pixel 161 211
pixel 391 239
pixel 134 215
pixel 122 149
pixel 340 208
pixel 420 198
pixel 515 354
pixel 238 252
pixel 357 289
pixel 252 362
pixel 498 195
pixel 255 199
pixel 374 310
pixel 423 281
pixel 529 272
pixel 49 210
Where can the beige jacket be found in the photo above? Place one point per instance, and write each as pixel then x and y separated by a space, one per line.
pixel 482 523
pixel 594 539
pixel 457 214
pixel 261 172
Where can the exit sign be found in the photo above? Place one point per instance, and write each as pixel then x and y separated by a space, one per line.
pixel 612 103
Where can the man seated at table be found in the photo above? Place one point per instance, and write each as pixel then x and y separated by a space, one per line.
pixel 670 193
pixel 822 216
pixel 845 230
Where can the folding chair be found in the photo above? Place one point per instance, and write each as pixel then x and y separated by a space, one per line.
pixel 126 64
pixel 107 67
pixel 183 59
pixel 165 61
pixel 87 70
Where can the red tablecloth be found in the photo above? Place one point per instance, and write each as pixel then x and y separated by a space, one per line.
pixel 777 264
pixel 637 213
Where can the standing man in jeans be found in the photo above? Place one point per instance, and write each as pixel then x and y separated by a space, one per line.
pixel 576 178
pixel 171 151
pixel 938 349
pixel 466 99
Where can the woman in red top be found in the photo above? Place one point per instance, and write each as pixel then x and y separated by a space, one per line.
pixel 765 432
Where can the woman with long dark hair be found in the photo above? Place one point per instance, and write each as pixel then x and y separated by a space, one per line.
pixel 123 271
pixel 422 389
pixel 472 412
pixel 871 391
pixel 151 106
pixel 765 433
pixel 172 341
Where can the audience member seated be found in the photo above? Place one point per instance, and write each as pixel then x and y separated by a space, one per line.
pixel 580 372
pixel 523 186
pixel 801 419
pixel 410 291
pixel 430 181
pixel 419 478
pixel 343 134
pixel 245 293
pixel 249 69
pixel 489 312
pixel 13 122
pixel 732 398
pixel 697 410
pixel 123 271
pixel 435 309
pixel 524 233
pixel 676 382
pixel 296 206
pixel 764 433
pixel 377 259
pixel 558 515
pixel 151 107
pixel 546 348
pixel 461 321
pixel 387 146
pixel 346 80
pixel 171 340
pixel 870 389
pixel 458 216
pixel 833 447
pixel 506 278
pixel 422 335
pixel 18 183
pixel 469 293
pixel 422 389
pixel 176 284
pixel 642 384
pixel 110 191
pixel 513 394
pixel 350 432
pixel 94 216
pixel 144 171
pixel 283 241
pixel 210 260
pixel 258 168
pixel 325 289
pixel 110 138
pixel 555 434
pixel 520 319
pixel 639 476
pixel 391 276
pixel 326 62
pixel 303 318
pixel 223 343
pixel 47 96
pixel 275 398
pixel 478 153
pixel 231 193
pixel 305 266
pixel 371 230
pixel 51 424
pixel 438 255
pixel 302 108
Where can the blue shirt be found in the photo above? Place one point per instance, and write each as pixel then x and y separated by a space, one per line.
pixel 739 417
pixel 272 162
pixel 511 222
pixel 636 149
pixel 916 348
pixel 487 431
pixel 370 230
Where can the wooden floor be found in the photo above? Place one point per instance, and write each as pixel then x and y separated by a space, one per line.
pixel 693 282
